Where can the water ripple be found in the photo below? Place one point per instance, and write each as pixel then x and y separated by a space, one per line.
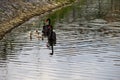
pixel 77 57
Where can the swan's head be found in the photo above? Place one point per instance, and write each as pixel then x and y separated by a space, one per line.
pixel 48 20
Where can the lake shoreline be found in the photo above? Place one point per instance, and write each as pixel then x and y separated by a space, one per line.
pixel 6 27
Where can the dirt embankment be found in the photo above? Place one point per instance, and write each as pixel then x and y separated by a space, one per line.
pixel 15 12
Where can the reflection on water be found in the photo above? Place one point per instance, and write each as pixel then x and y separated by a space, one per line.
pixel 82 53
pixel 77 56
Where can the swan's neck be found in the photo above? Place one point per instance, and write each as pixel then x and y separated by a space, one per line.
pixel 49 22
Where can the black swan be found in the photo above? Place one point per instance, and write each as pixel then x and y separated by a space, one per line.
pixel 50 34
